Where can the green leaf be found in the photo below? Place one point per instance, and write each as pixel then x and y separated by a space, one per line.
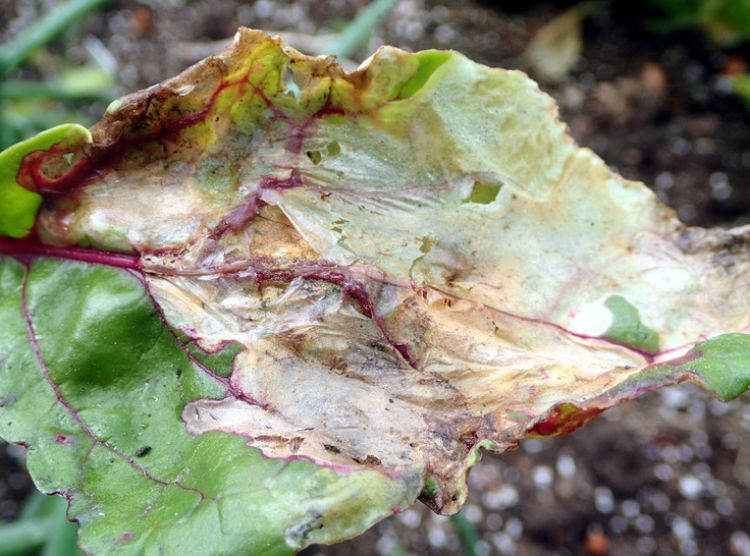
pixel 483 193
pixel 723 363
pixel 627 328
pixel 429 62
pixel 19 205
pixel 726 22
pixel 95 384
pixel 270 302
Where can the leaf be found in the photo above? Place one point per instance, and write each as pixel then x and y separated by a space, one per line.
pixel 363 277
pixel 726 22
pixel 557 45
pixel 94 384
pixel 626 327
pixel 723 364
pixel 19 204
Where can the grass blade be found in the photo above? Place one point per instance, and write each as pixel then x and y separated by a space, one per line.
pixel 49 26
pixel 360 28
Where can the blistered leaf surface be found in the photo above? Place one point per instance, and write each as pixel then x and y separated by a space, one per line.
pixel 369 275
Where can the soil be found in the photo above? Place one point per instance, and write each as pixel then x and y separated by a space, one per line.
pixel 667 474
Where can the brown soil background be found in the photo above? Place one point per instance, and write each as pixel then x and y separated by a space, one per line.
pixel 667 474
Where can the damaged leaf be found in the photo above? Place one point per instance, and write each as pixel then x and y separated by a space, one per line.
pixel 268 303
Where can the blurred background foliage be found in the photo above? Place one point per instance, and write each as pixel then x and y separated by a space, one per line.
pixel 727 22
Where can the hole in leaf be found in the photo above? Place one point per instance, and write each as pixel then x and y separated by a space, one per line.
pixel 431 487
pixel 333 149
pixel 483 193
pixel 291 85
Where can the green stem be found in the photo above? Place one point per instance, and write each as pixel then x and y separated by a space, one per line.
pixel 34 506
pixel 5 132
pixel 360 28
pixel 398 550
pixel 24 125
pixel 49 26
pixel 18 89
pixel 468 535
pixel 63 537
pixel 23 536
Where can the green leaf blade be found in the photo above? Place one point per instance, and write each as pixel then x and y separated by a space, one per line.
pixel 723 363
pixel 627 328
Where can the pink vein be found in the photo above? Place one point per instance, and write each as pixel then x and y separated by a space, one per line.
pixel 229 387
pixel 268 271
pixel 648 356
pixel 24 249
pixel 353 285
pixel 34 340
